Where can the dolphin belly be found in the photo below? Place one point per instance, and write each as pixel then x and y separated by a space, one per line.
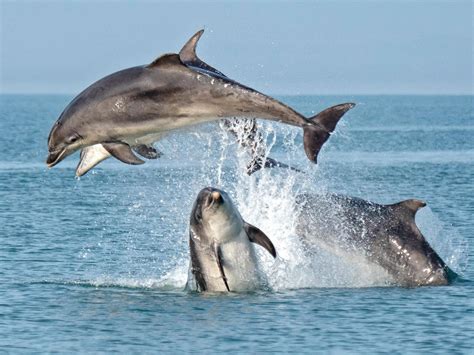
pixel 239 268
pixel 92 155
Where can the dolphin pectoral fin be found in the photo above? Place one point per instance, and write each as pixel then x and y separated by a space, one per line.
pixel 315 136
pixel 90 157
pixel 258 237
pixel 122 152
pixel 272 163
pixel 251 140
pixel 147 151
pixel 256 164
pixel 220 264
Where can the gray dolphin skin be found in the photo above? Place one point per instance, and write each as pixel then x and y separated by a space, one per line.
pixel 134 107
pixel 221 246
pixel 386 235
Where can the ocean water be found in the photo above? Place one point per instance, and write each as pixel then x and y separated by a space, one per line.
pixel 99 264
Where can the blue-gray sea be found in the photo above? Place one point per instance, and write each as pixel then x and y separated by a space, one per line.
pixel 98 264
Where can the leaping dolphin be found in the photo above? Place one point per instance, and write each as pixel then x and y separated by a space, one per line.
pixel 222 255
pixel 135 107
pixel 386 235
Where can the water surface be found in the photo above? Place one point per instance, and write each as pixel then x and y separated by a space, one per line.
pixel 99 264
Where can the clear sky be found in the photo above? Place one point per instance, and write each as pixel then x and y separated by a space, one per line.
pixel 317 47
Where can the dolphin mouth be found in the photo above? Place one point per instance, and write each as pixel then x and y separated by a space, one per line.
pixel 55 157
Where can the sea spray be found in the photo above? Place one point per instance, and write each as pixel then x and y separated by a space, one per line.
pixel 155 250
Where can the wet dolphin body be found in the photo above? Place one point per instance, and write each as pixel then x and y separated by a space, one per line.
pixel 136 106
pixel 245 131
pixel 221 246
pixel 386 235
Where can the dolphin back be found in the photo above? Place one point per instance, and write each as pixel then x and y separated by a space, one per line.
pixel 386 235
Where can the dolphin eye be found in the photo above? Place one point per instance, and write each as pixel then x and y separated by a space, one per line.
pixel 72 139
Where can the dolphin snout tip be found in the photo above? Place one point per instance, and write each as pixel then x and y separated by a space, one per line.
pixel 49 161
pixel 216 195
pixel 55 157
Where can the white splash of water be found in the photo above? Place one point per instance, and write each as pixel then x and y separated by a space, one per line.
pixel 267 200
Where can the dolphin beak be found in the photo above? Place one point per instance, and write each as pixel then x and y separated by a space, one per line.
pixel 55 157
pixel 214 199
pixel 215 195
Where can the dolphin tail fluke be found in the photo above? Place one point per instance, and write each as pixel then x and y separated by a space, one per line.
pixel 315 135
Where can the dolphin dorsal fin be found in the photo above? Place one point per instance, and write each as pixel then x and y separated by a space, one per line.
pixel 166 60
pixel 411 206
pixel 188 52
pixel 189 57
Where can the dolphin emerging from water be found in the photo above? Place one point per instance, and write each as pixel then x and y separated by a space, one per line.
pixel 223 258
pixel 386 235
pixel 127 111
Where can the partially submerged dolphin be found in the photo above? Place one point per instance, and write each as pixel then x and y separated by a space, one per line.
pixel 222 254
pixel 135 107
pixel 386 235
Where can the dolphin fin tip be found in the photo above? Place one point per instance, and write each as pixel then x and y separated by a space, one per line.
pixel 256 236
pixel 412 205
pixel 188 52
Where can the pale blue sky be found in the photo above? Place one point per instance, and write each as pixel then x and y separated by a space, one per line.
pixel 318 47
